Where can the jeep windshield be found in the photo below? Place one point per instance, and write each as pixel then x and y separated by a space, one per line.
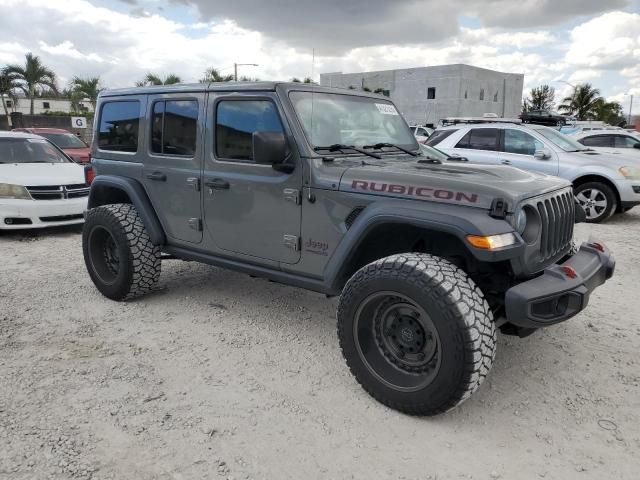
pixel 332 119
pixel 560 140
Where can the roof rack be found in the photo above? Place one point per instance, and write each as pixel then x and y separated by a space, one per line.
pixel 445 122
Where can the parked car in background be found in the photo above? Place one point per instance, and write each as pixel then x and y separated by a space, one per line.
pixel 544 117
pixel 70 144
pixel 39 186
pixel 611 141
pixel 421 133
pixel 603 183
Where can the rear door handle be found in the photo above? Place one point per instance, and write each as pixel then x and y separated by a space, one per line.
pixel 506 162
pixel 217 184
pixel 157 176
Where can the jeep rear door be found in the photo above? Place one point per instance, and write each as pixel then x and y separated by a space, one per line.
pixel 250 209
pixel 173 162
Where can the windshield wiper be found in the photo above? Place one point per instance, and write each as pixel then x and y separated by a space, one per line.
pixel 339 146
pixel 378 146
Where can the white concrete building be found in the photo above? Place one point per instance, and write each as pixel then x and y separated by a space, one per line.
pixel 424 95
pixel 43 105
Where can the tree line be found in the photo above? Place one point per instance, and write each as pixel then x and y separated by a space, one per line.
pixel 584 103
pixel 34 79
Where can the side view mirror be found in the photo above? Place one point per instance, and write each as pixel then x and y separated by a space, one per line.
pixel 636 145
pixel 269 148
pixel 542 155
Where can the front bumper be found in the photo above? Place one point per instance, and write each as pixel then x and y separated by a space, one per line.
pixel 562 291
pixel 19 214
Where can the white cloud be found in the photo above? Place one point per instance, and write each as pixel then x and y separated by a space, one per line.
pixel 67 49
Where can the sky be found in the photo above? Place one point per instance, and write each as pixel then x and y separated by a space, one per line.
pixel 550 41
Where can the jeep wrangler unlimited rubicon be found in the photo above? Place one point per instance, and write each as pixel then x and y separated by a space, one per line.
pixel 327 190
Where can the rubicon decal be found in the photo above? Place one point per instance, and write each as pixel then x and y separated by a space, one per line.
pixel 415 191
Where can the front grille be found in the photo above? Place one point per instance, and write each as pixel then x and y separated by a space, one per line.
pixel 61 218
pixel 557 216
pixel 58 192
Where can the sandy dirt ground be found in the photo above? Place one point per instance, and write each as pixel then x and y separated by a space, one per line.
pixel 218 375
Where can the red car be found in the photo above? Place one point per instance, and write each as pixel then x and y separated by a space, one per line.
pixel 69 143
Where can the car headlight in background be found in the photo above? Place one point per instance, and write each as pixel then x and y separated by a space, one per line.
pixel 630 173
pixel 16 192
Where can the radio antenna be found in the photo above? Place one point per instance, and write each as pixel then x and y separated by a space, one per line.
pixel 313 88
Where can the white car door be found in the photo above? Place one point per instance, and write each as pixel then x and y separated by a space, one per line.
pixel 523 150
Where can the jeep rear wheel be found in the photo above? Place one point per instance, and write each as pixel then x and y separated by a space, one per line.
pixel 118 253
pixel 416 333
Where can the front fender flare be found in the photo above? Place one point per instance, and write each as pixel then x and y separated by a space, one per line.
pixel 138 196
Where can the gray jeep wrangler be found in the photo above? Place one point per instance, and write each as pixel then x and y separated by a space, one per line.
pixel 328 190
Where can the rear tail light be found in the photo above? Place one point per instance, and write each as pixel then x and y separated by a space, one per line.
pixel 89 174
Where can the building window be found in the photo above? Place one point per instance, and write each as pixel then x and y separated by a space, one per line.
pixel 174 127
pixel 495 97
pixel 465 94
pixel 236 122
pixel 482 94
pixel 118 127
pixel 46 105
pixel 9 103
pixel 431 93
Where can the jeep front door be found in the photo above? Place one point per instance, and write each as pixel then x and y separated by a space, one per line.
pixel 173 163
pixel 250 209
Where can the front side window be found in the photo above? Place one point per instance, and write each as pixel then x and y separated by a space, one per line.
pixel 331 119
pixel 29 150
pixel 236 122
pixel 597 141
pixel 622 141
pixel 521 143
pixel 480 139
pixel 118 128
pixel 174 127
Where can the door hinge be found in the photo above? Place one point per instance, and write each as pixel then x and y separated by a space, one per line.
pixel 194 182
pixel 292 195
pixel 292 242
pixel 196 224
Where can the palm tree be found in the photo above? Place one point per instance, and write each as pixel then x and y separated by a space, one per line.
pixel 33 77
pixel 609 112
pixel 7 87
pixel 87 87
pixel 583 102
pixel 213 75
pixel 152 79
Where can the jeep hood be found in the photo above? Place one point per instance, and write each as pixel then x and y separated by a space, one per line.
pixel 464 184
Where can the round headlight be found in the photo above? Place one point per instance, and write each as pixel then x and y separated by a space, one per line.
pixel 520 223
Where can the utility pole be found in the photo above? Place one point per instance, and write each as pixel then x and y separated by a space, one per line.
pixel 235 68
pixel 630 107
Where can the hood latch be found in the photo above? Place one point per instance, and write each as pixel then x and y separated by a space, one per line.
pixel 498 208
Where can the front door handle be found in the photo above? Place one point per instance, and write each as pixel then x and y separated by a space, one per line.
pixel 157 176
pixel 506 162
pixel 217 184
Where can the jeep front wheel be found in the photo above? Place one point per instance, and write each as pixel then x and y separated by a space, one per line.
pixel 416 333
pixel 120 257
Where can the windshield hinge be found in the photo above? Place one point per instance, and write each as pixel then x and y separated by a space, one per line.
pixel 498 208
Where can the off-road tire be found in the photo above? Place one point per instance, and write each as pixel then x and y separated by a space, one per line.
pixel 460 314
pixel 139 260
pixel 609 194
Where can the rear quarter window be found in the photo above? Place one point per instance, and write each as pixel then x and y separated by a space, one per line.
pixel 119 125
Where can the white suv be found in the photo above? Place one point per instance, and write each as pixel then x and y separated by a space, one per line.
pixel 603 183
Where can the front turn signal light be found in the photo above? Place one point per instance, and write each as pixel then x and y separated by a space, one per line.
pixel 492 242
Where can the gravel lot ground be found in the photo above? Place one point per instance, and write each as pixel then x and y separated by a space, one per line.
pixel 218 375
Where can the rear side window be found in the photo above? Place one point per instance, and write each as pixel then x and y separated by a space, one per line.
pixel 438 136
pixel 597 141
pixel 480 139
pixel 174 127
pixel 118 128
pixel 237 120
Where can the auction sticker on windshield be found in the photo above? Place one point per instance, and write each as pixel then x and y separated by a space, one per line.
pixel 386 109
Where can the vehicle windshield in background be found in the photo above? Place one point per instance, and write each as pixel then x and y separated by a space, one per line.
pixel 433 153
pixel 559 139
pixel 29 150
pixel 64 140
pixel 334 119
